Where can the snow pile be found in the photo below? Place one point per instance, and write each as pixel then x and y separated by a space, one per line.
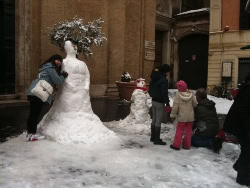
pixel 231 150
pixel 138 121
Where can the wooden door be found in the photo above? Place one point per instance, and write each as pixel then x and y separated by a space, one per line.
pixel 193 60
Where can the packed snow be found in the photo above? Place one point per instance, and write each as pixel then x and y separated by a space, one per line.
pixel 133 161
pixel 194 11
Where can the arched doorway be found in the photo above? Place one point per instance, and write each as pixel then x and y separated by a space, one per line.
pixel 193 60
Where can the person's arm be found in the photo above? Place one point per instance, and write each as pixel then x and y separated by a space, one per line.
pixel 56 79
pixel 164 91
pixel 175 107
pixel 194 101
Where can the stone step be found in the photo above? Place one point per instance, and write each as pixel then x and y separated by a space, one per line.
pixel 112 91
pixel 9 97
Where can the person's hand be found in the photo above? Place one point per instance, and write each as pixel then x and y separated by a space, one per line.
pixel 65 74
pixel 172 120
pixel 168 109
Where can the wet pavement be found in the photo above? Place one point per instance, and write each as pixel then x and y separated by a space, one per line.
pixel 13 118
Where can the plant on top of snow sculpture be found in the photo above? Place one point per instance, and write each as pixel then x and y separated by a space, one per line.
pixel 83 34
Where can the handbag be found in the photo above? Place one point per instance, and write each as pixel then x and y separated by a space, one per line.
pixel 42 90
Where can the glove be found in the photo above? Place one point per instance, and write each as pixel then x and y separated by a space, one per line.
pixel 65 74
pixel 168 109
pixel 171 120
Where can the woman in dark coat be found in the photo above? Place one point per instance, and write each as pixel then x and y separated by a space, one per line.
pixel 237 122
pixel 158 90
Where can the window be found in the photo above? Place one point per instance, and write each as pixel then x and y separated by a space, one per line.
pixel 244 16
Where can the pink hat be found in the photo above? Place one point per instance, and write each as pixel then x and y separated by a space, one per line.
pixel 181 86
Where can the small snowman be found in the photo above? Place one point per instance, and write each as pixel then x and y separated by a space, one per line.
pixel 141 102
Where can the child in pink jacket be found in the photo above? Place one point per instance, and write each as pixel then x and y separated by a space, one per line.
pixel 183 110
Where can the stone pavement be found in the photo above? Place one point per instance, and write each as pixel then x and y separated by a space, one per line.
pixel 13 117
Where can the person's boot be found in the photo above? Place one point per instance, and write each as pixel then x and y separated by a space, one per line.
pixel 157 140
pixel 216 144
pixel 152 133
pixel 243 178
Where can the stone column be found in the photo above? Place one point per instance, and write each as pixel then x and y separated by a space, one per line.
pixel 215 15
pixel 23 45
pixel 149 35
pixel 116 40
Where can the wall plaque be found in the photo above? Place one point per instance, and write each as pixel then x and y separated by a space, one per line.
pixel 227 69
pixel 150 44
pixel 150 55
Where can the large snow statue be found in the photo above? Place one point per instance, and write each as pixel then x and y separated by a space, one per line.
pixel 139 119
pixel 71 119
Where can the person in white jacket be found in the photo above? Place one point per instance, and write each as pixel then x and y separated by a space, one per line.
pixel 183 110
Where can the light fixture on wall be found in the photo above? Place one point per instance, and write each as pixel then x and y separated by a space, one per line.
pixel 226 28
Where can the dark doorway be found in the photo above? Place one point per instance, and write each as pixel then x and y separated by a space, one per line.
pixel 244 69
pixel 193 60
pixel 7 47
pixel 158 48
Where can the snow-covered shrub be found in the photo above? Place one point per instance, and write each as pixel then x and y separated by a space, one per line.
pixel 83 34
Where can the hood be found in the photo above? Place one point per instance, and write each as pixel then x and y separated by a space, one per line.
pixel 208 103
pixel 185 96
pixel 157 75
pixel 46 66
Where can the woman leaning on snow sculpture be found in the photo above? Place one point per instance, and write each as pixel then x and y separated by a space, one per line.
pixel 49 75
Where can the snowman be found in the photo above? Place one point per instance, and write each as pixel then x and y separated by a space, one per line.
pixel 139 116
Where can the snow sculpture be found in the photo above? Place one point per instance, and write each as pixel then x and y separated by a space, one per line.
pixel 139 116
pixel 71 119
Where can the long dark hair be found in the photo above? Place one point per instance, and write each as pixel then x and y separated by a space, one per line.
pixel 52 60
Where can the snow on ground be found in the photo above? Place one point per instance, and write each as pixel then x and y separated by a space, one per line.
pixel 133 162
pixel 194 11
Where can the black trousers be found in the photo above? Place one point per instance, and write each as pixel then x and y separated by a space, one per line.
pixel 243 163
pixel 36 106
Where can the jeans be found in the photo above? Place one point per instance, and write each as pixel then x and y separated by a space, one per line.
pixel 201 141
pixel 157 113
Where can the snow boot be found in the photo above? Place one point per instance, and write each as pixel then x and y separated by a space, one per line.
pixel 243 178
pixel 34 137
pixel 172 147
pixel 216 144
pixel 152 133
pixel 157 140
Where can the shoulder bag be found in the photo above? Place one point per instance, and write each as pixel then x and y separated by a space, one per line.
pixel 42 90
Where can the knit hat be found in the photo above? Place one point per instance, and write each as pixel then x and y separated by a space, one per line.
pixel 164 68
pixel 181 86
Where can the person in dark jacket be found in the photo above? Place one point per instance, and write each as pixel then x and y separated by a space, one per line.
pixel 206 125
pixel 50 71
pixel 158 91
pixel 237 122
